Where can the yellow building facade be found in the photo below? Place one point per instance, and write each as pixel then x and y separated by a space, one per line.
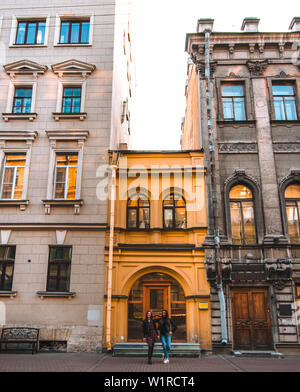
pixel 154 256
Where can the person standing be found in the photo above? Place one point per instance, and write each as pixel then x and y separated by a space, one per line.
pixel 150 334
pixel 167 328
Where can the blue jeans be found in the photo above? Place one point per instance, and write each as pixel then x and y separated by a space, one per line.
pixel 166 343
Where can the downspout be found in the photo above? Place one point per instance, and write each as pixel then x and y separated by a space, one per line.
pixel 199 109
pixel 111 253
pixel 224 338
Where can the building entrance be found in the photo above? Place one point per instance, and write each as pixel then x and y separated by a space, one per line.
pixel 156 292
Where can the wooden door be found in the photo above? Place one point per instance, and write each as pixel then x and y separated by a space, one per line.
pixel 251 320
pixel 157 298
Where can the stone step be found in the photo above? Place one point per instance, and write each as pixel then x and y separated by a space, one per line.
pixel 255 354
pixel 141 350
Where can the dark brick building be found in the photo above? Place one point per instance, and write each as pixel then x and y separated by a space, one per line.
pixel 243 108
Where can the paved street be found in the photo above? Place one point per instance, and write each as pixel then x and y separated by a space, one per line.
pixel 104 363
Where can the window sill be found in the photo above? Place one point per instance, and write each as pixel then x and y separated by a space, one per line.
pixel 62 203
pixel 78 44
pixel 29 46
pixel 231 122
pixel 19 116
pixel 285 122
pixel 48 294
pixel 63 116
pixel 15 203
pixel 8 294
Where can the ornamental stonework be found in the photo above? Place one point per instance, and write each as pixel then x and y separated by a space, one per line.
pixel 238 148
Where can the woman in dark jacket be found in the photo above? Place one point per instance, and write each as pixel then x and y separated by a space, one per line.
pixel 166 327
pixel 150 334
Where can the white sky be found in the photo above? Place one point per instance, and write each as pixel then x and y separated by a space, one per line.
pixel 161 62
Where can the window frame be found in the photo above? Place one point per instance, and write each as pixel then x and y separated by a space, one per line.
pixel 284 83
pixel 84 18
pixel 24 18
pixel 62 84
pixel 173 209
pixel 59 263
pixel 3 153
pixel 31 21
pixel 71 22
pixel 233 100
pixel 248 105
pixel 14 85
pixel 3 264
pixel 138 208
pixel 240 202
pixel 22 98
pixel 64 97
pixel 296 201
pixel 67 176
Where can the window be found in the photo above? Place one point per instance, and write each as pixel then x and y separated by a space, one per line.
pixel 22 100
pixel 233 100
pixel 65 176
pixel 7 261
pixel 13 176
pixel 71 100
pixel 59 269
pixel 75 32
pixel 138 212
pixel 292 204
pixel 31 32
pixel 284 102
pixel 174 212
pixel 242 215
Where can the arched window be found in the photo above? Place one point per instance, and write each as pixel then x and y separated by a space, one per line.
pixel 138 212
pixel 242 215
pixel 292 205
pixel 174 212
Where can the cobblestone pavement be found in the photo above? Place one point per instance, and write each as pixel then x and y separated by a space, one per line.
pixel 105 363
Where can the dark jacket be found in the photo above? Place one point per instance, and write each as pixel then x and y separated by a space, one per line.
pixel 146 327
pixel 165 325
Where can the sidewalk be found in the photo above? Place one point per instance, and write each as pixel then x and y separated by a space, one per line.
pixel 104 363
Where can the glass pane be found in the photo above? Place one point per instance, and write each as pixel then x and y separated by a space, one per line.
pixel 144 215
pixel 228 109
pixel 27 105
pixel 40 39
pixel 290 107
pixel 132 216
pixel 283 90
pixel 76 92
pixel 72 183
pixel 135 318
pixel 293 191
pixel 136 293
pixel 232 91
pixel 21 34
pixel 64 32
pixel 240 192
pixel 178 314
pixel 31 33
pixel 180 220
pixel 8 183
pixel 249 225
pixel 68 92
pixel 292 213
pixel 76 105
pixel 75 28
pixel 67 102
pixel 19 183
pixel 85 32
pixel 64 278
pixel 52 277
pixel 67 159
pixel 239 109
pixel 60 183
pixel 279 109
pixel 168 215
pixel 156 300
pixel 132 203
pixel 18 106
pixel 7 253
pixel 8 277
pixel 177 293
pixel 236 223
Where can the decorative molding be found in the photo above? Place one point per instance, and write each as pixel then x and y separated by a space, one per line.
pixel 18 135
pixel 238 148
pixel 232 75
pixel 282 74
pixel 294 175
pixel 19 116
pixel 67 135
pixel 8 294
pixel 73 67
pixel 14 203
pixel 201 67
pixel 46 294
pixel 66 116
pixel 24 67
pixel 240 175
pixel 62 203
pixel 257 68
pixel 5 234
pixel 286 148
pixel 60 236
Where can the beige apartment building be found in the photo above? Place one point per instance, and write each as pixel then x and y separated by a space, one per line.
pixel 65 100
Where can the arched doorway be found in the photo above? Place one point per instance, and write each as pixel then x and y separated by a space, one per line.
pixel 156 291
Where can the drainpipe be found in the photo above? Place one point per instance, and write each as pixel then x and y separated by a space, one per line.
pixel 199 108
pixel 224 338
pixel 110 257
